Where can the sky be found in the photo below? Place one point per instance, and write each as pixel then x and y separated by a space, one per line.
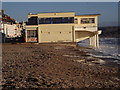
pixel 108 10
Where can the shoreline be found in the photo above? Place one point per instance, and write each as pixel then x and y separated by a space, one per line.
pixel 108 50
pixel 55 66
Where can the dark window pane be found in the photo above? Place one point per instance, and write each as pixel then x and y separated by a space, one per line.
pixel 71 20
pixel 56 20
pixel 41 21
pixel 32 21
pixel 45 21
pixel 65 20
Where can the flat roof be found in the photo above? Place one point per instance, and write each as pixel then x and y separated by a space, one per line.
pixel 52 12
pixel 88 15
pixel 67 12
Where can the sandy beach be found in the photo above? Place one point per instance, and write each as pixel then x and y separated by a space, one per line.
pixel 55 66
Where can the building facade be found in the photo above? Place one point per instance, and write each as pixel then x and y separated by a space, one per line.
pixel 9 28
pixel 62 27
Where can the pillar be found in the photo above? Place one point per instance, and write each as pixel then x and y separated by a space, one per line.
pixel 94 41
pixel 97 41
pixel 26 35
pixel 39 34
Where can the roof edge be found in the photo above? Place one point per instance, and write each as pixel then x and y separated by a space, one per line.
pixel 89 15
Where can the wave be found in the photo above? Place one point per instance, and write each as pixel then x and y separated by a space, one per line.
pixel 108 49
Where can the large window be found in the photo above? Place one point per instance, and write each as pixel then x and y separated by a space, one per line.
pixel 45 21
pixel 57 20
pixel 32 21
pixel 87 20
pixel 71 19
pixel 31 33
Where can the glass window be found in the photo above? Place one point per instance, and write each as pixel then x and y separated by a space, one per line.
pixel 87 20
pixel 71 19
pixel 56 20
pixel 45 21
pixel 32 21
pixel 65 20
pixel 41 21
pixel 31 33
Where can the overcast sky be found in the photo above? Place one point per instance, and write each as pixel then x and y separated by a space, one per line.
pixel 108 10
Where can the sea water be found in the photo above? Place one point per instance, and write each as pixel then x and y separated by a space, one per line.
pixel 109 49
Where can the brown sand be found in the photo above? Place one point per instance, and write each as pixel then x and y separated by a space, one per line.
pixel 54 66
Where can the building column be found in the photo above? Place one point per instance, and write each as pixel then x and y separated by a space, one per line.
pixel 97 41
pixel 73 33
pixel 39 33
pixel 94 41
pixel 26 36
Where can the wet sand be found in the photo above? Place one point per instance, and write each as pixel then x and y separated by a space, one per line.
pixel 55 66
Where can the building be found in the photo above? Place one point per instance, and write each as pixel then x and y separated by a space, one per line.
pixel 8 27
pixel 62 27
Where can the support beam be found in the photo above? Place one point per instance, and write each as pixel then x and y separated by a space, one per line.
pixel 97 40
pixel 39 34
pixel 26 36
pixel 94 41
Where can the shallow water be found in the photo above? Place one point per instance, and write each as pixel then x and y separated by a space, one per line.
pixel 108 49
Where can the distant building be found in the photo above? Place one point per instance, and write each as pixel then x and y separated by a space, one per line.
pixel 8 27
pixel 62 27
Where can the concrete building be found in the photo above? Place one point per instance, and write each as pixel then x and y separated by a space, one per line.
pixel 8 27
pixel 62 27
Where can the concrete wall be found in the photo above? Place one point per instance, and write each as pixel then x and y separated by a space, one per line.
pixel 56 33
pixel 65 14
pixel 53 32
pixel 10 30
pixel 47 15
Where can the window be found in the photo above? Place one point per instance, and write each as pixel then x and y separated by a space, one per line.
pixel 58 20
pixel 65 20
pixel 31 33
pixel 71 19
pixel 68 20
pixel 32 21
pixel 45 21
pixel 41 21
pixel 87 20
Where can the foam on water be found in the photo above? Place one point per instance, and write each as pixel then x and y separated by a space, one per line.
pixel 109 49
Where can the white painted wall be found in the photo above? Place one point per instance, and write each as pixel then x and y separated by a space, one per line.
pixel 10 30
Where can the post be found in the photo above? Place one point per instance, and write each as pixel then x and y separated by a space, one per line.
pixel 94 41
pixel 26 35
pixel 39 34
pixel 4 28
pixel 97 41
